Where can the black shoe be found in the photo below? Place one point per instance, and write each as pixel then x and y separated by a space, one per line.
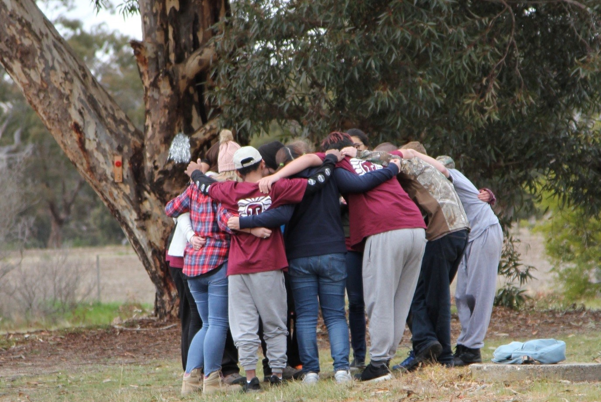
pixel 253 386
pixel 458 350
pixel 407 365
pixel 290 373
pixel 374 374
pixel 467 357
pixel 357 365
pixel 274 380
pixel 450 364
pixel 266 374
pixel 430 352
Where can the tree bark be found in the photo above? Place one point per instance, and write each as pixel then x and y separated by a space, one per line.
pixel 92 129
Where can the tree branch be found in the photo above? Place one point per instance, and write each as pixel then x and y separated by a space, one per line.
pixel 141 59
pixel 69 199
pixel 199 61
pixel 203 136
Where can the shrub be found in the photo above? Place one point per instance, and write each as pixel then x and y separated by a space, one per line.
pixel 572 245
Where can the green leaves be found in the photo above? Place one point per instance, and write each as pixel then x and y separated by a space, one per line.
pixel 495 85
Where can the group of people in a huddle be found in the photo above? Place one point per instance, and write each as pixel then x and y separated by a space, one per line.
pixel 265 237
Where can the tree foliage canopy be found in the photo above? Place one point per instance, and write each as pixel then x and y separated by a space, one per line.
pixel 572 244
pixel 507 88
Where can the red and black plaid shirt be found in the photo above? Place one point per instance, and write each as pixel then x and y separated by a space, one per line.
pixel 204 214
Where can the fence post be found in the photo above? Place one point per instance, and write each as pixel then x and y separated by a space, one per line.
pixel 98 276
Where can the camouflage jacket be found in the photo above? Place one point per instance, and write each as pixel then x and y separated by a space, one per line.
pixel 430 190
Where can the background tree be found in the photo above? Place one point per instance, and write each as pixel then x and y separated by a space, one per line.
pixel 64 206
pixel 507 88
pixel 90 127
pixel 572 239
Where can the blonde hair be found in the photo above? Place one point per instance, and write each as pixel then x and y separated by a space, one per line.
pixel 228 176
pixel 302 145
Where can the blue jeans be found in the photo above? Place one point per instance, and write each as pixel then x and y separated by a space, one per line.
pixel 322 277
pixel 210 295
pixel 356 304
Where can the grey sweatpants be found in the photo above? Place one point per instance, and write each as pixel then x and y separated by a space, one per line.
pixel 476 283
pixel 391 264
pixel 258 296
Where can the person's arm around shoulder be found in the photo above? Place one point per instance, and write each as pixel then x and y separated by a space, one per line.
pixel 411 153
pixel 352 183
pixel 318 180
pixel 179 204
pixel 202 181
pixel 294 167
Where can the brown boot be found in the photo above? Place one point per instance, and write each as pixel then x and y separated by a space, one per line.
pixel 192 383
pixel 214 383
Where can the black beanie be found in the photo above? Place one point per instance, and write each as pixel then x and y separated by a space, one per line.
pixel 268 152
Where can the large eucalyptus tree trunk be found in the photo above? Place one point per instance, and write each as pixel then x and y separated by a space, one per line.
pixel 91 128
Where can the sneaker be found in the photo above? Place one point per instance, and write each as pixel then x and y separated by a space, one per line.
pixel 358 364
pixel 291 373
pixel 192 383
pixel 428 354
pixel 214 383
pixel 253 386
pixel 374 374
pixel 234 378
pixel 458 350
pixel 467 357
pixel 274 380
pixel 407 365
pixel 311 378
pixel 343 376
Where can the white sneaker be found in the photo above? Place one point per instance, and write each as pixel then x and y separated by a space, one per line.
pixel 311 378
pixel 343 376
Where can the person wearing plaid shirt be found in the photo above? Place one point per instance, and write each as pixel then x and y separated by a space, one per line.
pixel 204 214
pixel 205 266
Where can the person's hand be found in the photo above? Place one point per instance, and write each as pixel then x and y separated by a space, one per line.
pixel 484 196
pixel 266 182
pixel 192 166
pixel 407 153
pixel 198 242
pixel 349 151
pixel 262 233
pixel 397 162
pixel 336 153
pixel 234 223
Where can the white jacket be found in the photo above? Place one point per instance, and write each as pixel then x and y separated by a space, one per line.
pixel 183 233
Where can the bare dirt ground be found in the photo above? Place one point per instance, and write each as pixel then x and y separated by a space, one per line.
pixel 141 341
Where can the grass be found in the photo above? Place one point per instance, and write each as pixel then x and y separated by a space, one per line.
pixel 161 381
pixel 82 315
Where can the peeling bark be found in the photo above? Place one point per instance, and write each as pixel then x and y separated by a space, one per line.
pixel 91 128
